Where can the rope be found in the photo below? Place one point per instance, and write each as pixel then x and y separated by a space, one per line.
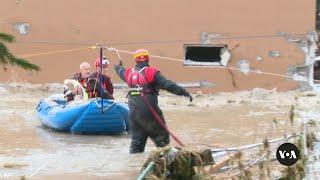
pixel 159 120
pixel 222 67
pixel 160 57
pixel 116 50
pixel 52 52
pixel 218 37
pixel 177 59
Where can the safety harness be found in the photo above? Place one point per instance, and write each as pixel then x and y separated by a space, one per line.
pixel 139 81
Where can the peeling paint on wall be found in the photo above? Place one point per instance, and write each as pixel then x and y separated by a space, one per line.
pixel 22 28
pixel 259 58
pixel 244 66
pixel 300 76
pixel 274 53
pixel 304 73
pixel 225 56
pixel 207 38
pixel 293 39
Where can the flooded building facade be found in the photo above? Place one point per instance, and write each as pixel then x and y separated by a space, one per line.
pixel 236 45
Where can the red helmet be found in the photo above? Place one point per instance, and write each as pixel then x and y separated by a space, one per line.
pixel 141 55
pixel 105 62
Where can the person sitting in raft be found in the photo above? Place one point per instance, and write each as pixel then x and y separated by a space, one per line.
pixel 79 83
pixel 94 80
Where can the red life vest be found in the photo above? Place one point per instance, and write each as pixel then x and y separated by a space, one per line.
pixel 141 78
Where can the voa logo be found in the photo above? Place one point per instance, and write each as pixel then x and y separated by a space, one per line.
pixel 287 154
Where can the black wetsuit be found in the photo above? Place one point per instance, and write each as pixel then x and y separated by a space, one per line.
pixel 142 121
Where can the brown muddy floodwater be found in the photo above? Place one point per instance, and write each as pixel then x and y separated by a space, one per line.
pixel 217 120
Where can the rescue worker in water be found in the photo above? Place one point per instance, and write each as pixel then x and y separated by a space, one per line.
pixel 145 82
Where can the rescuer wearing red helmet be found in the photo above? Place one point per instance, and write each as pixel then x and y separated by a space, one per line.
pixel 144 83
pixel 94 80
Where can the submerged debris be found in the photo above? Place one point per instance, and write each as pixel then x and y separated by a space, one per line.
pixel 311 138
pixel 312 123
pixel 231 101
pixel 311 95
pixel 13 165
pixel 291 114
pixel 254 162
pixel 176 163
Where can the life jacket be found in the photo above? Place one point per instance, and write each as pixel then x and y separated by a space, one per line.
pixel 93 91
pixel 141 79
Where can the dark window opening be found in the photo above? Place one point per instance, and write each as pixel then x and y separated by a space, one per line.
pixel 316 72
pixel 318 15
pixel 205 54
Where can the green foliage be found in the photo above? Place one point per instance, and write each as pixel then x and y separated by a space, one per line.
pixel 6 57
pixel 6 37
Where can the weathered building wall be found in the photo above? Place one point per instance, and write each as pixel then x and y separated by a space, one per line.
pixel 144 20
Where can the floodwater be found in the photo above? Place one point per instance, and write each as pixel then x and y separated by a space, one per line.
pixel 212 120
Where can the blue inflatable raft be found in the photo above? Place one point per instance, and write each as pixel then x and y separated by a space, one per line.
pixel 86 117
